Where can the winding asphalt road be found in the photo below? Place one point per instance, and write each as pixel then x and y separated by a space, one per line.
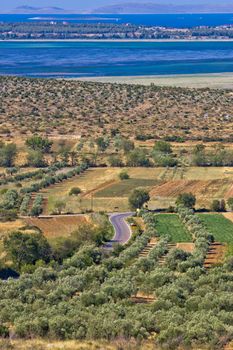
pixel 122 229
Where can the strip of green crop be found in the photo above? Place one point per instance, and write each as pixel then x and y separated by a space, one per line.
pixel 219 226
pixel 170 224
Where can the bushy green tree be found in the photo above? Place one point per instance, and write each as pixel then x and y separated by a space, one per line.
pixel 163 147
pixel 138 198
pixel 26 249
pixel 36 159
pixel 162 155
pixel 187 200
pixel 137 157
pixel 218 206
pixel 8 154
pixel 123 144
pixel 59 206
pixel 40 144
pixel 102 143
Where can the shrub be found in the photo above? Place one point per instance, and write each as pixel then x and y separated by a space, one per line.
pixel 4 331
pixel 24 205
pixel 163 147
pixel 37 207
pixel 124 175
pixel 115 161
pixel 75 191
pixel 137 157
pixel 40 144
pixel 8 215
pixel 59 206
pixel 11 199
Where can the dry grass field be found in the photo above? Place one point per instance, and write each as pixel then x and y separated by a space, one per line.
pixel 75 345
pixel 7 227
pixel 54 227
pixel 216 81
pixel 88 182
pixel 89 109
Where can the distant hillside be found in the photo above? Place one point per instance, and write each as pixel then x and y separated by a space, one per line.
pixel 147 8
pixel 38 10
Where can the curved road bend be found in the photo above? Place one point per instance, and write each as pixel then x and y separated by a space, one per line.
pixel 122 229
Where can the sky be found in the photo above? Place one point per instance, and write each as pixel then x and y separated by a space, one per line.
pixel 83 5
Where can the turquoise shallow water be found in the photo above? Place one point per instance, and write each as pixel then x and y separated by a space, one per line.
pixel 85 59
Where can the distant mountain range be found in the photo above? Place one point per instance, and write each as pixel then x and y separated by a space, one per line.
pixel 152 8
pixel 134 8
pixel 38 10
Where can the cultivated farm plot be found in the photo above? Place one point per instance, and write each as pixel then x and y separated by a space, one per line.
pixel 170 224
pixel 123 188
pixel 87 182
pixel 216 254
pixel 206 183
pixel 219 226
pixel 102 189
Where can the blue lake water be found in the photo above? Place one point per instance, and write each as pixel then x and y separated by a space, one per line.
pixel 84 59
pixel 168 20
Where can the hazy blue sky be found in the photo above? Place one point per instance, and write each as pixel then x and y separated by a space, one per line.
pixel 88 4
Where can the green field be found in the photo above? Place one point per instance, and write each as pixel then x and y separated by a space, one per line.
pixel 123 188
pixel 169 224
pixel 219 226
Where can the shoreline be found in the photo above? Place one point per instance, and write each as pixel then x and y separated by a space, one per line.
pixel 207 80
pixel 119 40
pixel 222 80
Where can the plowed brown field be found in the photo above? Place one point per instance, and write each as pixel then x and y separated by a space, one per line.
pixel 187 247
pixel 198 187
pixel 204 190
pixel 215 255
